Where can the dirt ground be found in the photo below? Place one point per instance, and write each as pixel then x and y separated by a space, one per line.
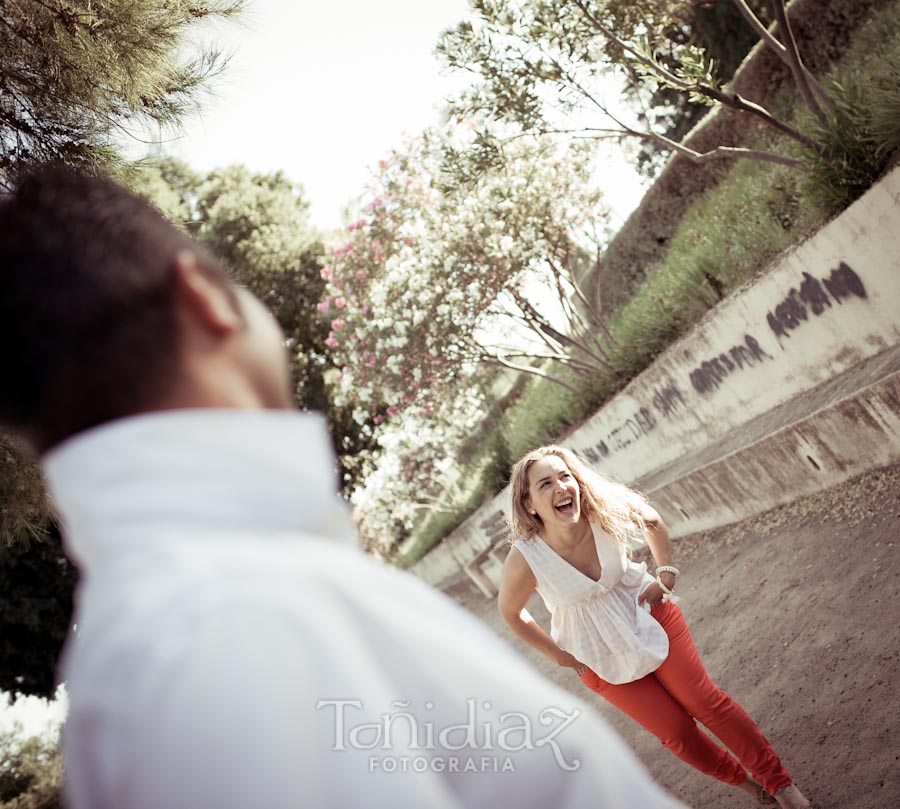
pixel 796 614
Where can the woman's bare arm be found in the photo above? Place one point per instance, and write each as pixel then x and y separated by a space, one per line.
pixel 517 583
pixel 657 534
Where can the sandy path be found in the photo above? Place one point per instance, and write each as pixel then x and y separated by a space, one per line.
pixel 796 614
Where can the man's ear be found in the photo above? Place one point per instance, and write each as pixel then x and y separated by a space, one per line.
pixel 208 303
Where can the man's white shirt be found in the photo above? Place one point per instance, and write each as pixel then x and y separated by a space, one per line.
pixel 234 648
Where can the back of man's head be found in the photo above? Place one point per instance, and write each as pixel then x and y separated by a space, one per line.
pixel 88 324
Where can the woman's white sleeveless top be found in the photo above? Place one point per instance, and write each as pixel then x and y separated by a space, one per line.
pixel 600 623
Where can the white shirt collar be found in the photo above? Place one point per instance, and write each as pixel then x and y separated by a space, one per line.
pixel 263 471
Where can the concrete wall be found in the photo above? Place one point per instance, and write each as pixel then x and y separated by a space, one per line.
pixel 796 341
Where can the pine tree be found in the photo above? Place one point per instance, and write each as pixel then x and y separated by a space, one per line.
pixel 31 771
pixel 76 76
pixel 36 583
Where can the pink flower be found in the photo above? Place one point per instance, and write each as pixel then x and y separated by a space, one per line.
pixel 323 307
pixel 364 310
pixel 344 249
pixel 378 419
pixel 393 411
pixel 340 303
pixel 360 275
pixel 378 256
pixel 338 324
pixel 331 342
pixel 326 273
pixel 371 363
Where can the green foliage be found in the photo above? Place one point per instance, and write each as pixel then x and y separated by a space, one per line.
pixel 258 226
pixel 76 75
pixel 885 109
pixel 36 584
pixel 544 67
pixel 844 27
pixel 850 158
pixel 31 771
pixel 543 410
pixel 862 134
pixel 481 476
pixel 724 238
pixel 718 31
pixel 23 505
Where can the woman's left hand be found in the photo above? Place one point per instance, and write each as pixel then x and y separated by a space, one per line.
pixel 652 594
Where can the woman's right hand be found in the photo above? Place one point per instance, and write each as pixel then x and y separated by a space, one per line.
pixel 565 659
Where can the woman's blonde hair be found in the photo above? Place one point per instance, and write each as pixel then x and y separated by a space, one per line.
pixel 617 509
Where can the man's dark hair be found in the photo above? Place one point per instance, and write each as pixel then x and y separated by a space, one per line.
pixel 88 328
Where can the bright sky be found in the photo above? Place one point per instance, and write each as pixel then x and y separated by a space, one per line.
pixel 33 715
pixel 323 91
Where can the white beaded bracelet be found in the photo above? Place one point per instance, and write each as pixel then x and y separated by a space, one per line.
pixel 668 595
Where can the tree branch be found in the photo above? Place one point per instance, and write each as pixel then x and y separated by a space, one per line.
pixel 596 316
pixel 530 369
pixel 562 339
pixel 795 62
pixel 733 100
pixel 578 322
pixel 577 365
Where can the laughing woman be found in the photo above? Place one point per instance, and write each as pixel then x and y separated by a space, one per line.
pixel 617 626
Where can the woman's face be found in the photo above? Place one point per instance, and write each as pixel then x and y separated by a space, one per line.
pixel 553 493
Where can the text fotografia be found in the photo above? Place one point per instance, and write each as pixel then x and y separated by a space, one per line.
pixel 479 734
pixel 435 763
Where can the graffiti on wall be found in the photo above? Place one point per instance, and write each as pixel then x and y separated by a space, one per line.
pixel 810 298
pixel 640 423
pixel 667 400
pixel 813 298
pixel 710 373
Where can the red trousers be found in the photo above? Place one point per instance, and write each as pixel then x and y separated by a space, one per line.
pixel 669 700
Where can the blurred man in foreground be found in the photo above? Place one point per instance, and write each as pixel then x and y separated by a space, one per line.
pixel 233 647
